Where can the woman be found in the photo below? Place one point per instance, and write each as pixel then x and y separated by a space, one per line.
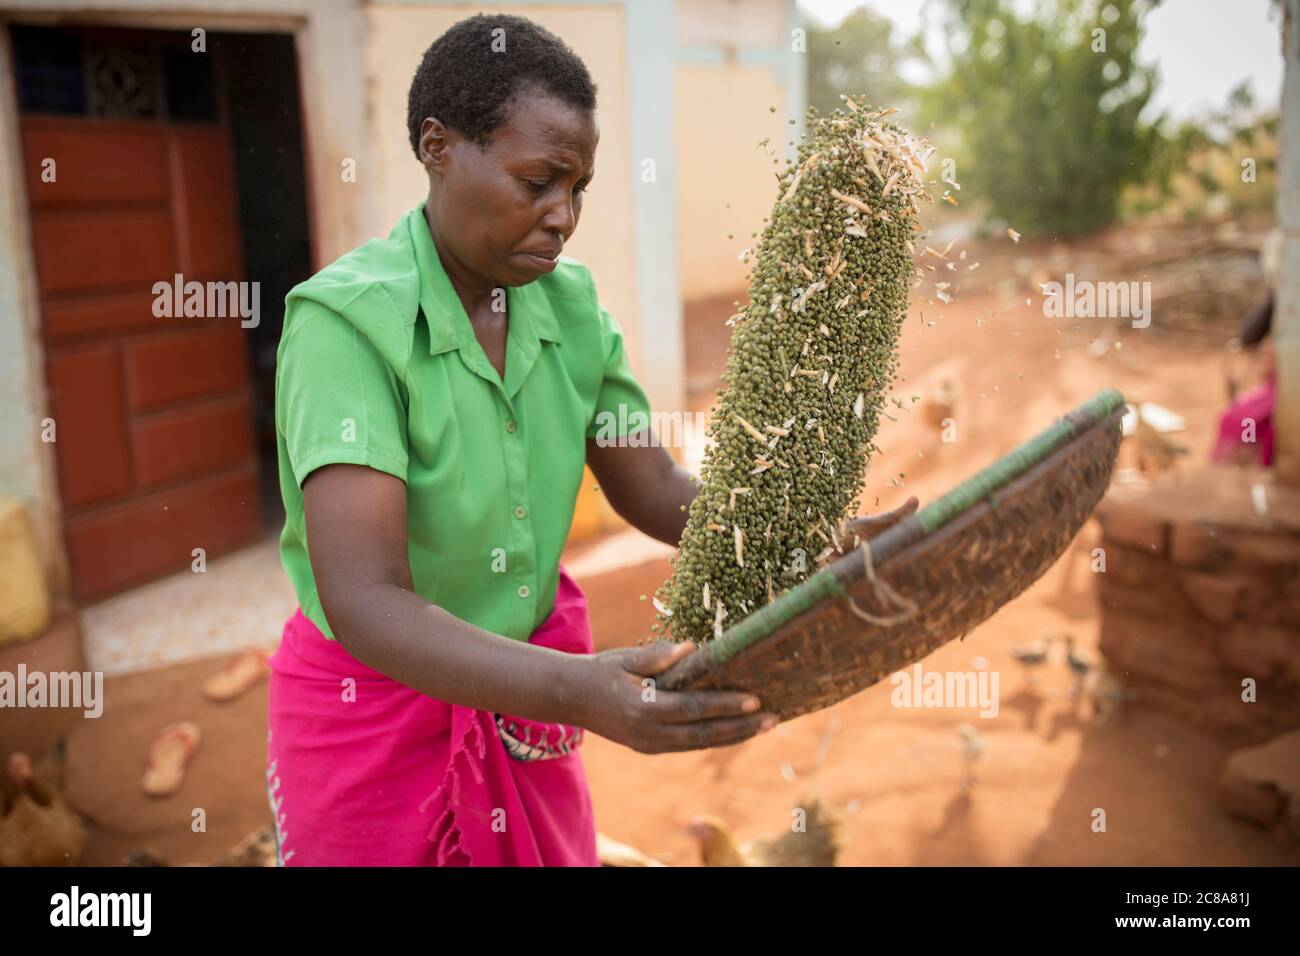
pixel 1246 432
pixel 438 393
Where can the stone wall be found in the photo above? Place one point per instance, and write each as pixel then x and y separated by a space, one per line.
pixel 1201 591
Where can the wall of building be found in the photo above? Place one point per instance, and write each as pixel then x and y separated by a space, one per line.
pixel 738 80
pixel 725 178
pixel 1286 317
pixel 1201 593
pixel 26 462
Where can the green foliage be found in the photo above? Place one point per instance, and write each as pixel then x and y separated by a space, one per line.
pixel 1196 170
pixel 1048 108
pixel 863 53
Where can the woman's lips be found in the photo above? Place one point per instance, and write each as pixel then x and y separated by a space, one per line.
pixel 545 263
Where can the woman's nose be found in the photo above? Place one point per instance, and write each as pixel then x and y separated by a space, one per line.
pixel 562 217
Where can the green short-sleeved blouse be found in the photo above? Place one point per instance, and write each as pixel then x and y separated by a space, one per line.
pixel 378 365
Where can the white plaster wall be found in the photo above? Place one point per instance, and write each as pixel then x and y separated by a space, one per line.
pixel 738 23
pixel 26 462
pixel 725 179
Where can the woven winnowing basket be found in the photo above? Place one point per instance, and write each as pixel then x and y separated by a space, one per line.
pixel 923 582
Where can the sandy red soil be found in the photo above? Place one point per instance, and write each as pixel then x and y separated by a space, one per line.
pixel 893 772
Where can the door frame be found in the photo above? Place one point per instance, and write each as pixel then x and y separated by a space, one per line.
pixel 330 68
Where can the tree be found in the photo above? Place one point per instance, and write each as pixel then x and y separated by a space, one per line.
pixel 1047 107
pixel 860 56
pixel 1199 169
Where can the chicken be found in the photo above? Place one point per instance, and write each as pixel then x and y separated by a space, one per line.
pixel 1157 453
pixel 613 853
pixel 144 857
pixel 48 771
pixel 816 844
pixel 37 827
pixel 1108 693
pixel 256 849
pixel 51 769
pixel 941 403
pixel 1032 655
pixel 1079 665
pixel 972 746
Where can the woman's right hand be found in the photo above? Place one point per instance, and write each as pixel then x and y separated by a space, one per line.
pixel 619 703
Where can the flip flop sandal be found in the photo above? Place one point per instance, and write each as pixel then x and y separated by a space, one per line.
pixel 169 754
pixel 241 673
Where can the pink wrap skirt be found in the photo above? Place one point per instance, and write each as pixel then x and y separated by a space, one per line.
pixel 1254 406
pixel 364 771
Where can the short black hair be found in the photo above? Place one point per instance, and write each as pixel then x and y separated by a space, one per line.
pixel 469 74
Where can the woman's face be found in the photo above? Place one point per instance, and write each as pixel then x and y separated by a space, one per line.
pixel 505 211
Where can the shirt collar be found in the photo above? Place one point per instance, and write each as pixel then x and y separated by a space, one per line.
pixel 532 317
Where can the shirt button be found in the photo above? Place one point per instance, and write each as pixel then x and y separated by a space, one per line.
pixel 510 425
pixel 520 511
pixel 523 590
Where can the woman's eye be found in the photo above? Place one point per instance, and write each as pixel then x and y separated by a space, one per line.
pixel 536 186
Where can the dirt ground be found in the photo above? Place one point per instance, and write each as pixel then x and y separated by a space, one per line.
pixel 892 772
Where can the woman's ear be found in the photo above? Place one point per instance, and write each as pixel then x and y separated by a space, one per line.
pixel 433 143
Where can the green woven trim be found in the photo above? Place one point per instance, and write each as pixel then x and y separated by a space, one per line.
pixel 765 620
pixel 1016 462
pixel 933 516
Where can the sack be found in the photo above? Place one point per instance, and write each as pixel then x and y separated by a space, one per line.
pixel 24 599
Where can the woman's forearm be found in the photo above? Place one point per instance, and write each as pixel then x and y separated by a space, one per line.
pixel 427 648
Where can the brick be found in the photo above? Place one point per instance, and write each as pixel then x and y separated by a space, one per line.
pixel 1286 612
pixel 1270 599
pixel 1195 545
pixel 1132 566
pixel 1262 783
pixel 1116 597
pixel 1263 651
pixel 1132 525
pixel 1215 597
pixel 1220 711
pixel 1158 650
pixel 1258 803
pixel 1266 548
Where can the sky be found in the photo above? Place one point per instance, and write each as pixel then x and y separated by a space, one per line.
pixel 1202 48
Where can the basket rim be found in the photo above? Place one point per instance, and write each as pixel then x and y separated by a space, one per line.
pixel 830 580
